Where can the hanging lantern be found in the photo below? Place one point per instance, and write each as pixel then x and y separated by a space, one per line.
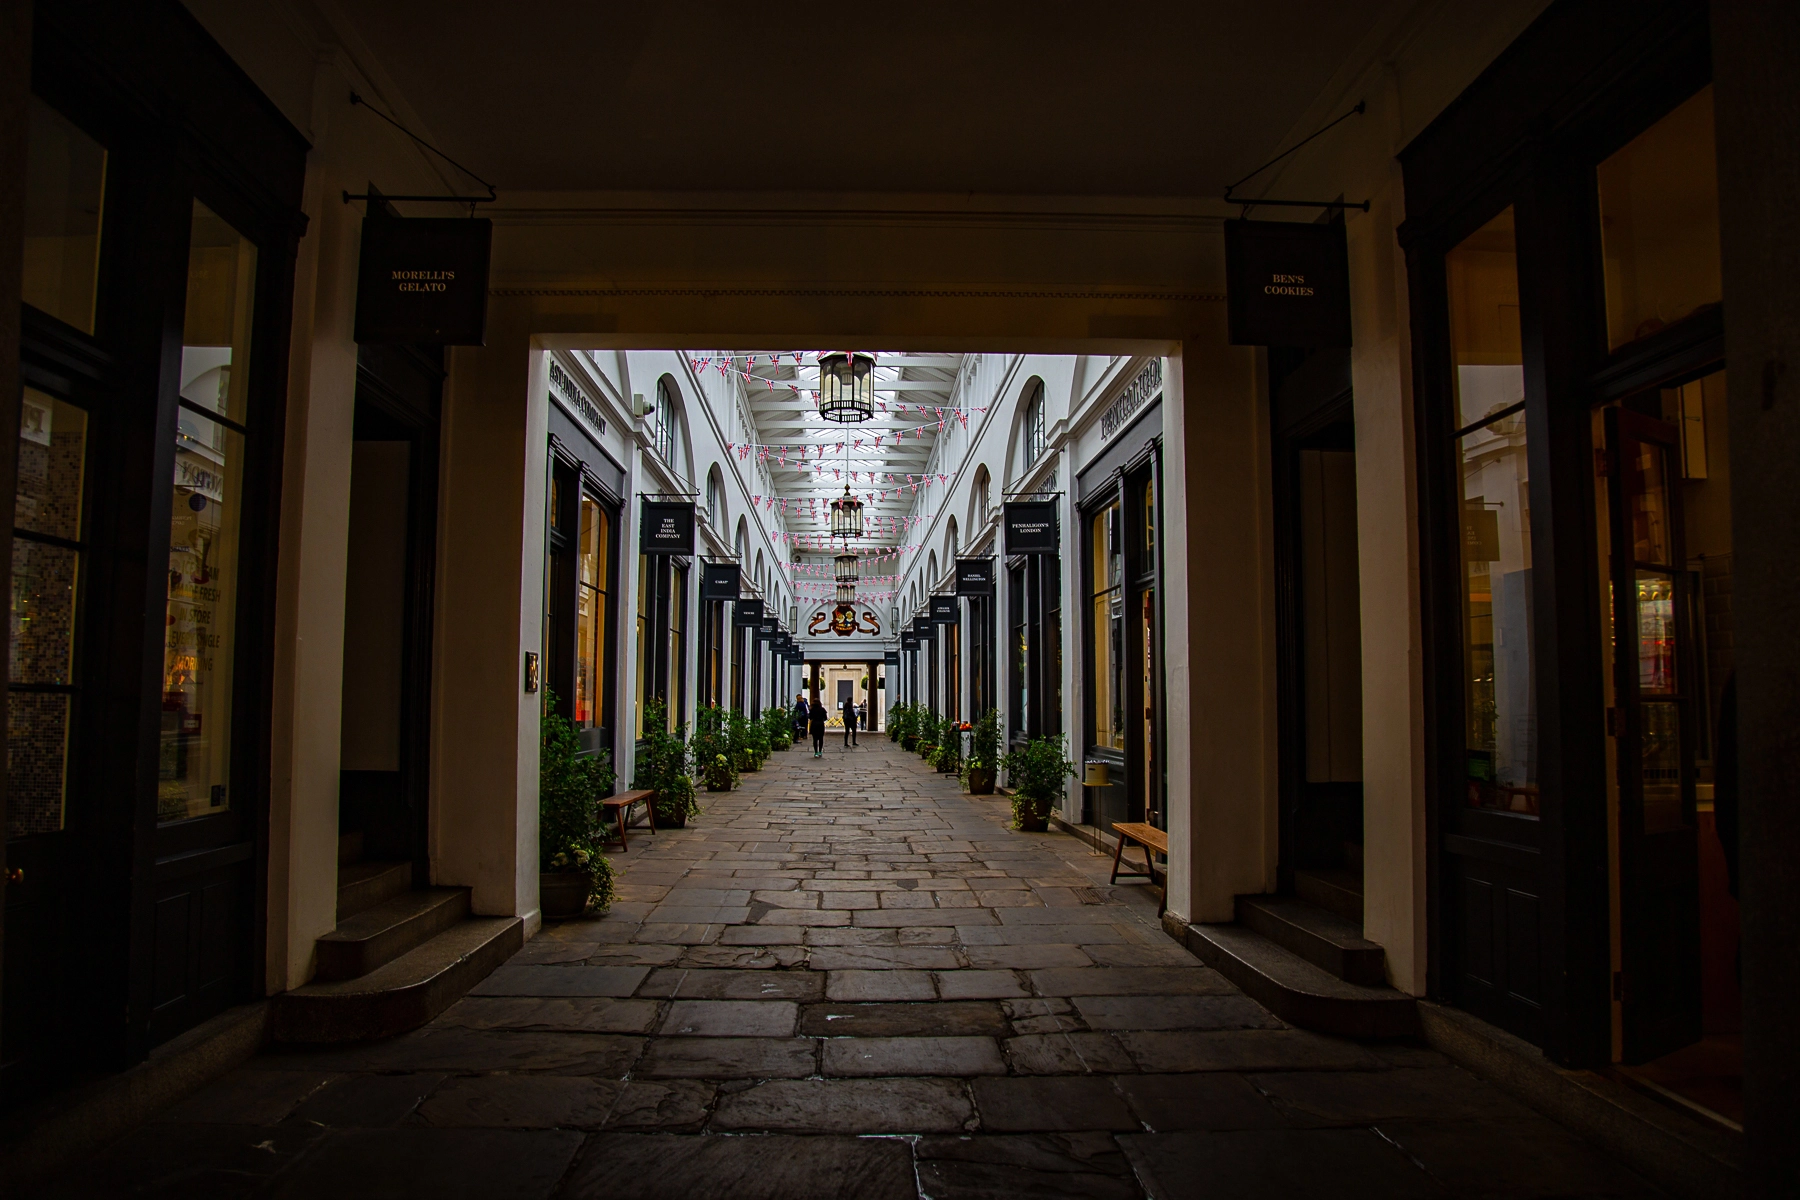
pixel 846 516
pixel 846 388
pixel 846 568
pixel 846 593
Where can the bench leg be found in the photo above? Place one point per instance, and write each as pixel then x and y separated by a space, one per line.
pixel 1150 873
pixel 650 813
pixel 1117 851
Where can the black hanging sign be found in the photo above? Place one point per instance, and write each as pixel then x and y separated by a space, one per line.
pixel 767 630
pixel 747 614
pixel 668 527
pixel 974 576
pixel 923 627
pixel 1287 283
pixel 423 280
pixel 1031 527
pixel 892 658
pixel 945 610
pixel 719 581
pixel 909 640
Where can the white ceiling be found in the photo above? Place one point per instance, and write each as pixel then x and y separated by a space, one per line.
pixel 786 420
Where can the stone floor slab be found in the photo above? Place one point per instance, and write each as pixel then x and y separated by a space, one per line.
pixel 1174 1012
pixel 1269 1164
pixel 731 1018
pixel 729 1058
pixel 650 1167
pixel 559 980
pixel 968 1018
pixel 860 1106
pixel 1023 1166
pixel 879 985
pixel 1049 1104
pixel 951 1057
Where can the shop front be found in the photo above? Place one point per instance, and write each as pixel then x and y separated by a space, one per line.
pixel 162 216
pixel 1575 473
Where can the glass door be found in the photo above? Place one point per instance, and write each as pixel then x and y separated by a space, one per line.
pixel 1652 722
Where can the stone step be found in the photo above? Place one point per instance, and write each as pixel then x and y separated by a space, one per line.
pixel 1299 992
pixel 1322 938
pixel 364 885
pixel 383 932
pixel 1334 889
pixel 403 994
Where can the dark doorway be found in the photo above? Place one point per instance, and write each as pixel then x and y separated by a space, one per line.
pixel 1319 643
pixel 384 801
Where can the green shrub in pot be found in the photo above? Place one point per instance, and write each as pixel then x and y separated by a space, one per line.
pixel 1036 772
pixel 662 767
pixel 570 787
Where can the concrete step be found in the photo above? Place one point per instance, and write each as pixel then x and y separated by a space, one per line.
pixel 387 930
pixel 364 885
pixel 403 994
pixel 1299 992
pixel 1334 889
pixel 1322 938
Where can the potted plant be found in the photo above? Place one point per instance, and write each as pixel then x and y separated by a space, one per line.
pixel 572 870
pixel 756 735
pixel 739 726
pixel 949 743
pixel 711 746
pixel 777 723
pixel 1036 772
pixel 984 753
pixel 662 767
pixel 896 722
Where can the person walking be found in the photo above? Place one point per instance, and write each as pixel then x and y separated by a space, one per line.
pixel 802 711
pixel 849 709
pixel 816 725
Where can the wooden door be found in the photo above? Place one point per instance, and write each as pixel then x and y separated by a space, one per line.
pixel 1653 725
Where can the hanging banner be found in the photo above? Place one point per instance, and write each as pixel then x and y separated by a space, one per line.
pixel 1031 527
pixel 975 576
pixel 667 527
pixel 909 640
pixel 423 280
pixel 1287 283
pixel 720 581
pixel 766 631
pixel 747 614
pixel 945 610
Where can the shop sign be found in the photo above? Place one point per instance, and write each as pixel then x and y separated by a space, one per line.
pixel 423 280
pixel 908 641
pixel 1287 283
pixel 892 658
pixel 1031 527
pixel 945 610
pixel 975 576
pixel 668 527
pixel 767 629
pixel 923 628
pixel 1481 534
pixel 719 581
pixel 747 614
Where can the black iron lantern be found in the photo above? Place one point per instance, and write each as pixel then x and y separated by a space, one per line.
pixel 847 516
pixel 846 388
pixel 846 568
pixel 846 593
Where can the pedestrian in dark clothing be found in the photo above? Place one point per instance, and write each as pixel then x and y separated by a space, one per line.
pixel 802 711
pixel 849 722
pixel 816 725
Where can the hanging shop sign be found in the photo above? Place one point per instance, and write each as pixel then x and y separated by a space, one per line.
pixel 975 576
pixel 892 658
pixel 747 614
pixel 668 527
pixel 1287 283
pixel 1031 527
pixel 945 610
pixel 767 630
pixel 720 581
pixel 908 641
pixel 423 280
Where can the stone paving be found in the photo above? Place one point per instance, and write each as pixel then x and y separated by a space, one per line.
pixel 847 979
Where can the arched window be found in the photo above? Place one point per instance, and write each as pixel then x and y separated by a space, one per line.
pixel 759 570
pixel 980 497
pixel 931 573
pixel 715 499
pixel 665 419
pixel 950 546
pixel 1035 435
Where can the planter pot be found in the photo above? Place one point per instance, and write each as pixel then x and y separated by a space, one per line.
pixel 981 781
pixel 947 769
pixel 672 821
pixel 1031 824
pixel 909 744
pixel 563 894
pixel 718 787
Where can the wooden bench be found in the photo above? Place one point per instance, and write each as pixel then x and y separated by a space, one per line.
pixel 619 809
pixel 1150 838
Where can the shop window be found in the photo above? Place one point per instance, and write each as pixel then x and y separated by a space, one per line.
pixel 65 188
pixel 46 564
pixel 1107 630
pixel 593 558
pixel 201 641
pixel 1499 708
pixel 1659 224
